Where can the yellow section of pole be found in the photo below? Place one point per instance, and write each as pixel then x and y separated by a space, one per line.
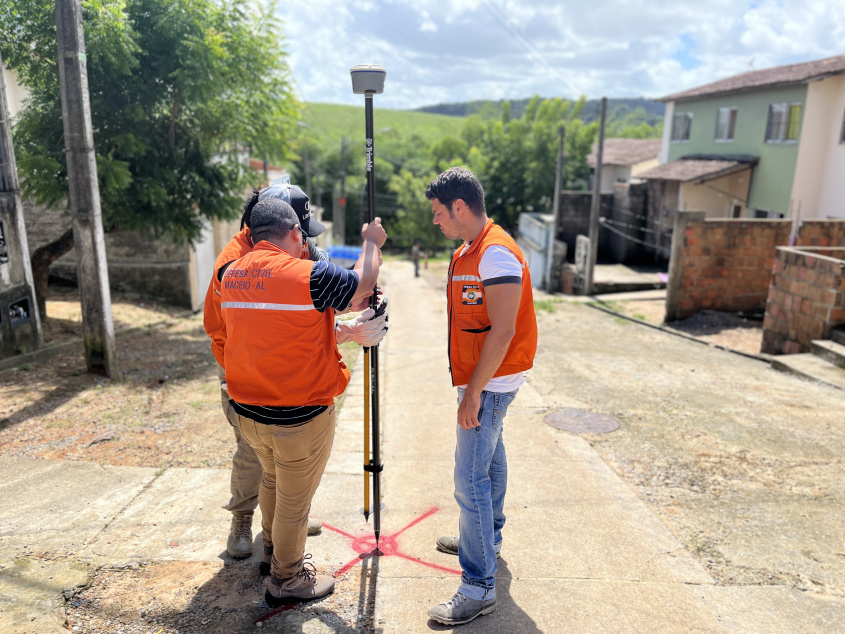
pixel 366 433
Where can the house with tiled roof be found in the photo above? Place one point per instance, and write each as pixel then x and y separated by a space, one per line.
pixel 762 144
pixel 623 160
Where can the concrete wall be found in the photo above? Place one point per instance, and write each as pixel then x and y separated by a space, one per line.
pixel 574 219
pixel 772 184
pixel 726 264
pixel 819 188
pixel 717 197
pixel 15 93
pixel 806 298
pixel 158 268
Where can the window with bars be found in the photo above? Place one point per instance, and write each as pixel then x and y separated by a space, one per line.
pixel 725 125
pixel 784 123
pixel 681 124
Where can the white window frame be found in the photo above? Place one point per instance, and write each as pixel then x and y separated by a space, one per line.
pixel 779 135
pixel 688 120
pixel 729 125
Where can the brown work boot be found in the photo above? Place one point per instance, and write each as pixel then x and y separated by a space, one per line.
pixel 239 544
pixel 314 526
pixel 264 566
pixel 306 585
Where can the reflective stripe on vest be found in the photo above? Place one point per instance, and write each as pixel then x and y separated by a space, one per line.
pixel 265 306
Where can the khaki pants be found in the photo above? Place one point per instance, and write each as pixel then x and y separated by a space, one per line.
pixel 294 458
pixel 246 469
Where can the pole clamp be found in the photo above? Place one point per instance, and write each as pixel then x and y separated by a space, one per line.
pixel 372 468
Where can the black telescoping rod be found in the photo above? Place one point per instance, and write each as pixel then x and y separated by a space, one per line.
pixel 368 80
pixel 374 384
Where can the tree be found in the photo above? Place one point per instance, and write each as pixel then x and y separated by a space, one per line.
pixel 179 90
pixel 414 220
pixel 515 158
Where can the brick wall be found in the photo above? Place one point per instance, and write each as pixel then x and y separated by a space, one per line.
pixel 726 264
pixel 806 298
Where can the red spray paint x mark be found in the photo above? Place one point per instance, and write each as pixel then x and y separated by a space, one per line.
pixel 366 548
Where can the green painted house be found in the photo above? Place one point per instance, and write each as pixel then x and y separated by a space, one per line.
pixel 767 144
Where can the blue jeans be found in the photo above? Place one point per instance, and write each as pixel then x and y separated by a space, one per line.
pixel 481 479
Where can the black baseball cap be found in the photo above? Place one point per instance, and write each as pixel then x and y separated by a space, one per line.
pixel 296 198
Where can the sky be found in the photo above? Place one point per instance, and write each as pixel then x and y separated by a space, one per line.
pixel 445 51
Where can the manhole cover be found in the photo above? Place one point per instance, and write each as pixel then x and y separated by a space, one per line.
pixel 581 422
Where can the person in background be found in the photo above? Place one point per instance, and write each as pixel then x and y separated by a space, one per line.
pixel 415 256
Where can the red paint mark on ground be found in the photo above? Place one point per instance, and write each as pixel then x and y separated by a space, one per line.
pixel 365 546
pixel 274 612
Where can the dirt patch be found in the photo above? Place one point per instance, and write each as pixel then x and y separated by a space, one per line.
pixel 164 410
pixel 740 332
pixel 212 597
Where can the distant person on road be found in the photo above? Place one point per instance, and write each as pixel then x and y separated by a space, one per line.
pixel 415 256
pixel 246 469
pixel 283 371
pixel 492 342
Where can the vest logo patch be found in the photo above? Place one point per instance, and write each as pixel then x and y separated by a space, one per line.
pixel 471 295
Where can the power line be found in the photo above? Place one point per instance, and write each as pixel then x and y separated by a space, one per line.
pixel 500 15
pixel 603 222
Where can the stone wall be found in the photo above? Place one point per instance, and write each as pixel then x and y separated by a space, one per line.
pixel 806 298
pixel 726 264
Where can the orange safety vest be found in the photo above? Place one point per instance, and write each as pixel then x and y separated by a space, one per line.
pixel 237 247
pixel 468 319
pixel 280 350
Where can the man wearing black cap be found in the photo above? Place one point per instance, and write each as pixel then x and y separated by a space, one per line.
pixel 246 468
pixel 283 372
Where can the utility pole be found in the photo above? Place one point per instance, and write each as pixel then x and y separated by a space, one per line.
pixel 595 207
pixel 266 168
pixel 555 208
pixel 340 221
pixel 97 324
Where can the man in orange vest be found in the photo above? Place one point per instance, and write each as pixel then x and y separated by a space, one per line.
pixel 283 371
pixel 246 469
pixel 492 341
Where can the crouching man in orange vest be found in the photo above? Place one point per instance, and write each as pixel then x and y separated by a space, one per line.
pixel 283 371
pixel 492 341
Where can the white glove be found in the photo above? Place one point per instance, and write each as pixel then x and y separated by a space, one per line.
pixel 363 330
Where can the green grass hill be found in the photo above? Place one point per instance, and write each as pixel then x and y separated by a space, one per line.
pixel 334 121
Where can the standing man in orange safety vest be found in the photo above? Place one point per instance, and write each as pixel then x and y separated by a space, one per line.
pixel 246 469
pixel 492 341
pixel 283 371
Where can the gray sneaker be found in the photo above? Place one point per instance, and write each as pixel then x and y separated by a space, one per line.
pixel 239 544
pixel 449 544
pixel 461 609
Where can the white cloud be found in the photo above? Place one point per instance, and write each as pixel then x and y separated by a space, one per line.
pixel 457 50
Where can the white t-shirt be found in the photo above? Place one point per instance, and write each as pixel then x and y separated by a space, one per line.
pixel 499 265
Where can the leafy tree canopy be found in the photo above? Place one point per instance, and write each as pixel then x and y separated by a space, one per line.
pixel 180 90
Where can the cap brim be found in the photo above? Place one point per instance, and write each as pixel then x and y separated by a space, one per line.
pixel 315 227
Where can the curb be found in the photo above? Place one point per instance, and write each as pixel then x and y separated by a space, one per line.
pixel 595 304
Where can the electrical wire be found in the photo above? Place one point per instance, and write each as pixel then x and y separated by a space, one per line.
pixel 603 223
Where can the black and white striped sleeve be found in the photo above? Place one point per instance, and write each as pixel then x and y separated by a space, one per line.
pixel 332 286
